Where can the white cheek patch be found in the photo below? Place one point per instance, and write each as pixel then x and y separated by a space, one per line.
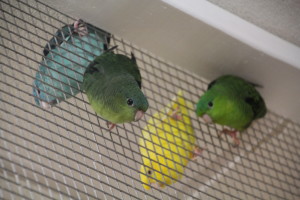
pixel 207 118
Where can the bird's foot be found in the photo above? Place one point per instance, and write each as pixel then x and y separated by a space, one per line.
pixel 197 152
pixel 176 114
pixel 45 105
pixel 80 27
pixel 110 126
pixel 233 135
pixel 157 185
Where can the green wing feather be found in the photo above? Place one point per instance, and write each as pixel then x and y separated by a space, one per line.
pixel 109 65
pixel 245 91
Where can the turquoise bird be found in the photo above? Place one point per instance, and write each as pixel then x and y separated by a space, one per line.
pixel 231 101
pixel 112 83
pixel 66 57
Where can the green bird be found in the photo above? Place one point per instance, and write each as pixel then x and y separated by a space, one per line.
pixel 231 101
pixel 112 83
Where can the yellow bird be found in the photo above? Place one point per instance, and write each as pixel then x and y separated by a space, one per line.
pixel 167 144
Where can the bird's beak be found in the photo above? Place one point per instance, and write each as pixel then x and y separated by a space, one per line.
pixel 207 118
pixel 45 105
pixel 138 115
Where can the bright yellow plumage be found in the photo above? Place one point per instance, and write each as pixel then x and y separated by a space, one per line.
pixel 169 141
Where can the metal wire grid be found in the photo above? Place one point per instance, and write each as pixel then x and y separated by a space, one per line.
pixel 64 152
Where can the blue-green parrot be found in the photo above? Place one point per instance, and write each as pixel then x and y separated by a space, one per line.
pixel 231 101
pixel 66 57
pixel 112 83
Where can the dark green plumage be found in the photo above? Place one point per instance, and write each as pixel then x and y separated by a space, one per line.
pixel 112 83
pixel 232 101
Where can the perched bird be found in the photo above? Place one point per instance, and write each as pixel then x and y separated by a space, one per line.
pixel 167 144
pixel 66 57
pixel 231 101
pixel 112 83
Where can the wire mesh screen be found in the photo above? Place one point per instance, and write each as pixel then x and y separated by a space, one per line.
pixel 67 151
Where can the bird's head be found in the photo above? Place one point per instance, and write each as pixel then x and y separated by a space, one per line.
pixel 150 175
pixel 206 106
pixel 214 106
pixel 158 172
pixel 129 102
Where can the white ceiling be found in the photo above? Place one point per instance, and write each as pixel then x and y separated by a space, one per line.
pixel 280 17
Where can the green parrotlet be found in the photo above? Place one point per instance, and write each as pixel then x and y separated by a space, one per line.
pixel 112 83
pixel 231 101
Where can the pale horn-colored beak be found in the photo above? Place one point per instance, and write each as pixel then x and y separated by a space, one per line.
pixel 207 118
pixel 138 115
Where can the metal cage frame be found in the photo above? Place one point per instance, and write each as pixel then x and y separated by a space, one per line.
pixel 67 151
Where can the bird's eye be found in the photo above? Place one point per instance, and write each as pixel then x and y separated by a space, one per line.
pixel 149 172
pixel 130 102
pixel 210 104
pixel 39 92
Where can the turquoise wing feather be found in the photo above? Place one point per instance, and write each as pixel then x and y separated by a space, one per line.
pixel 65 59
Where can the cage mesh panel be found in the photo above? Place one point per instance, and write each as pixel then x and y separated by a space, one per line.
pixel 67 152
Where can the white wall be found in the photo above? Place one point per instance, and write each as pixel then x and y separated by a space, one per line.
pixel 276 16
